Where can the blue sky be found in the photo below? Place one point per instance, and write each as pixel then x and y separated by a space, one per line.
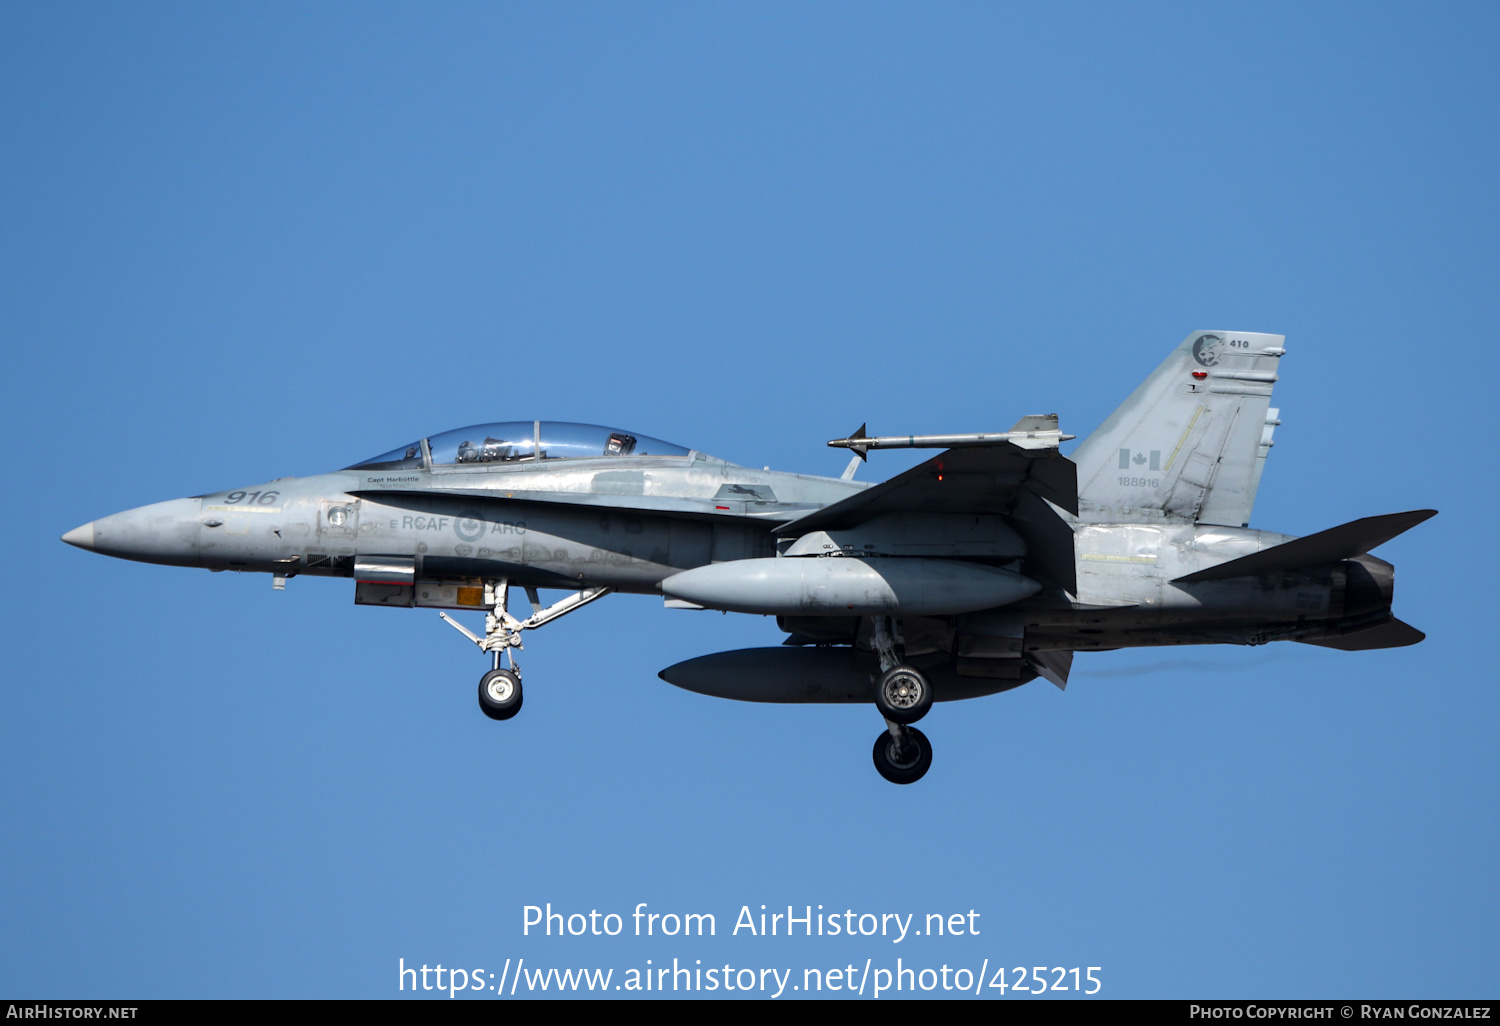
pixel 241 242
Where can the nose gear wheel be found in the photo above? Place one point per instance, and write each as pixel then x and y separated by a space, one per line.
pixel 500 694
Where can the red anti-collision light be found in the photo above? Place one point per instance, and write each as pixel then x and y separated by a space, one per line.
pixel 1200 375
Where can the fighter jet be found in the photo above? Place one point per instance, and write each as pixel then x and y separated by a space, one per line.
pixel 984 567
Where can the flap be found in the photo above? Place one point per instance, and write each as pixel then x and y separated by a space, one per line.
pixel 1052 665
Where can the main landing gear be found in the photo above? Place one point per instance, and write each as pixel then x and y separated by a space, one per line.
pixel 500 688
pixel 903 696
pixel 904 761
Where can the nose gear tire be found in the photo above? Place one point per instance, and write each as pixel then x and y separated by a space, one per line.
pixel 905 764
pixel 500 694
pixel 903 695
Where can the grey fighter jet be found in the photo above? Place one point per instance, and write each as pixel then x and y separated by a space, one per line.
pixel 981 569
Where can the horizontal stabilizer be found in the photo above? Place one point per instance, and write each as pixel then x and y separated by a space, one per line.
pixel 1391 634
pixel 1344 542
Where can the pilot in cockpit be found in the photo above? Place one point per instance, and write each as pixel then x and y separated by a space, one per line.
pixel 494 450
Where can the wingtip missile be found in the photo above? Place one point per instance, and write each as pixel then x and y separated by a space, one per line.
pixel 1038 431
pixel 854 441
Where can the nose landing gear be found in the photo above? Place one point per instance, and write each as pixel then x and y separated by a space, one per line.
pixel 500 688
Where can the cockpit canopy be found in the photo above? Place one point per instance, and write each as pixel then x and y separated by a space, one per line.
pixel 521 441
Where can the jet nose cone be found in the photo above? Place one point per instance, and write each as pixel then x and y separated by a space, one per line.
pixel 83 537
pixel 164 532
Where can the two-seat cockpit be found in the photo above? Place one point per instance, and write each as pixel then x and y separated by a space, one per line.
pixel 522 441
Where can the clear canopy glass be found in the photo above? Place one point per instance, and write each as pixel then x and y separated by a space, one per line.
pixel 516 442
pixel 485 443
pixel 564 440
pixel 408 457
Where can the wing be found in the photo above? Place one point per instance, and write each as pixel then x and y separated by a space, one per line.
pixel 1003 479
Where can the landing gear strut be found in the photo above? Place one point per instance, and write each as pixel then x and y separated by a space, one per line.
pixel 500 688
pixel 903 696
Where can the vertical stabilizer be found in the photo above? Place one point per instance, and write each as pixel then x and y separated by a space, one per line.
pixel 1190 442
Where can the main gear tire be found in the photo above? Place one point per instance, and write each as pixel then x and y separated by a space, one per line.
pixel 903 695
pixel 500 694
pixel 903 764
